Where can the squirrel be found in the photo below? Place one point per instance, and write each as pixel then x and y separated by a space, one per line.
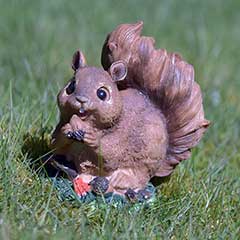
pixel 133 119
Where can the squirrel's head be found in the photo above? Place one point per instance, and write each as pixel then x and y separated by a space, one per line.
pixel 92 93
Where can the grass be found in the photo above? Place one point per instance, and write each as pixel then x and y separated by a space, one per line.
pixel 37 40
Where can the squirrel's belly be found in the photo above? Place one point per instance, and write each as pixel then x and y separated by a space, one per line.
pixel 140 139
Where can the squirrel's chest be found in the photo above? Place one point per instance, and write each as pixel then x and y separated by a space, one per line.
pixel 127 144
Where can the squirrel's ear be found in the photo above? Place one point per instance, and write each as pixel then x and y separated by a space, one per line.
pixel 112 46
pixel 78 60
pixel 118 71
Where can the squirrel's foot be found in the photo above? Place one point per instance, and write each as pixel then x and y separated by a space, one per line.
pixel 81 188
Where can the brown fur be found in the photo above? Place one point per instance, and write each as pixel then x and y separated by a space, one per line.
pixel 127 145
pixel 149 122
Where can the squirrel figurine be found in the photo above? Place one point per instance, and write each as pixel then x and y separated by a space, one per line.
pixel 134 120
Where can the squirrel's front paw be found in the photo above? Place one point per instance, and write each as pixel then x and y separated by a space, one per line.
pixel 67 128
pixel 77 131
pixel 89 137
pixel 92 138
pixel 82 131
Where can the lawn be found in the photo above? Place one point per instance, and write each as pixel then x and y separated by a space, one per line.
pixel 37 39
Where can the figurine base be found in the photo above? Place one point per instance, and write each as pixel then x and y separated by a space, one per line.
pixel 65 192
pixel 96 190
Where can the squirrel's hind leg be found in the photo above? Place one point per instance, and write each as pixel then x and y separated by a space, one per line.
pixel 126 178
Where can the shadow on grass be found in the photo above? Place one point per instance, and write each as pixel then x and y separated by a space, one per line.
pixel 36 144
pixel 156 181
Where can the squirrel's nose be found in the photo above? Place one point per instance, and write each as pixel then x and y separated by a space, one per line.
pixel 82 99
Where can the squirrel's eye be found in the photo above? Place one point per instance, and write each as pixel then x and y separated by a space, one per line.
pixel 102 94
pixel 71 87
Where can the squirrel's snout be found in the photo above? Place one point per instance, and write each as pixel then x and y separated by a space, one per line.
pixel 83 102
pixel 82 99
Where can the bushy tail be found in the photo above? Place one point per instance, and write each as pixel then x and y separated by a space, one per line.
pixel 180 100
pixel 168 80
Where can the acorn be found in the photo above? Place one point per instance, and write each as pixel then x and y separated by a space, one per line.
pixel 144 195
pixel 131 195
pixel 77 135
pixel 99 185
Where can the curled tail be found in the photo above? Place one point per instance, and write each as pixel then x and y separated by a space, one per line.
pixel 169 82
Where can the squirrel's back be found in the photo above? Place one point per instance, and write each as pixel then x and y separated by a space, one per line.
pixel 168 81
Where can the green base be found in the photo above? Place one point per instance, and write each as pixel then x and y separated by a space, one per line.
pixel 65 191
